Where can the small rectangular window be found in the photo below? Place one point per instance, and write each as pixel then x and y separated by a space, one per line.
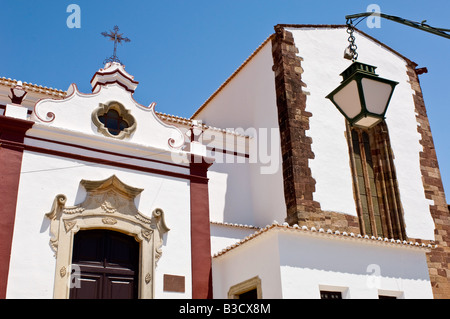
pixel 251 294
pixel 386 297
pixel 249 289
pixel 330 294
pixel 374 180
pixel 390 294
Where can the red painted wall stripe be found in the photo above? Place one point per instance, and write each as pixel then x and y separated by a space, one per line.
pixel 101 161
pixel 12 132
pixel 200 232
pixel 98 150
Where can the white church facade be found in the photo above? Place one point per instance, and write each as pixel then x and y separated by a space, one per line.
pixel 265 192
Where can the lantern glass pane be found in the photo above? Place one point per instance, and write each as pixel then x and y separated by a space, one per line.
pixel 348 99
pixel 368 121
pixel 376 95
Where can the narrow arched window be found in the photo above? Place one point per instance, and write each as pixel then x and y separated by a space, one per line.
pixel 375 184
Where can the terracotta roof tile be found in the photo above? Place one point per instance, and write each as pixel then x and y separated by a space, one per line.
pixel 33 87
pixel 326 233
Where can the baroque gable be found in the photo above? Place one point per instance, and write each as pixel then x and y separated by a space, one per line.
pixel 112 88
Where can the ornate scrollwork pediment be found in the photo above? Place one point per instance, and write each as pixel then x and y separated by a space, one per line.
pixel 112 201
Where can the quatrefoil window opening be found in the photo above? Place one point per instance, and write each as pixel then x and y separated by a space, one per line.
pixel 113 120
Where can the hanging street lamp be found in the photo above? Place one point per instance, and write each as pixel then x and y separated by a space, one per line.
pixel 362 97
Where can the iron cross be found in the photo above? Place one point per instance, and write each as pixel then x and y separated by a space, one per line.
pixel 117 38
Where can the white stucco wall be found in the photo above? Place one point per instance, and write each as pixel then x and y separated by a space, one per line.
pixel 322 52
pixel 358 270
pixel 254 192
pixel 260 258
pixel 229 193
pixel 296 265
pixel 32 265
pixel 224 235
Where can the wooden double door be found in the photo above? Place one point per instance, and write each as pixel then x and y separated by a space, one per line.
pixel 108 262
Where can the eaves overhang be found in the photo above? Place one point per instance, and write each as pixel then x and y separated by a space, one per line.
pixel 326 234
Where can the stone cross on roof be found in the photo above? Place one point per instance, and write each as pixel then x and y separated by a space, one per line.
pixel 117 38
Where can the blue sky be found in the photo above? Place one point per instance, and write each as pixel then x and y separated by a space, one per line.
pixel 181 51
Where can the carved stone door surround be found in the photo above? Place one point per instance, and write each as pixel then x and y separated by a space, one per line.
pixel 109 204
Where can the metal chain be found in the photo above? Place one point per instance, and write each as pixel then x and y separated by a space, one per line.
pixel 351 39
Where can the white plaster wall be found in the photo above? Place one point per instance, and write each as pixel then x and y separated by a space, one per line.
pixel 359 270
pixel 229 190
pixel 242 264
pixel 298 266
pixel 223 236
pixel 32 265
pixel 322 52
pixel 248 102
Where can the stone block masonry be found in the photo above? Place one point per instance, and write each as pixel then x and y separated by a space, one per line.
pixel 438 259
pixel 293 120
